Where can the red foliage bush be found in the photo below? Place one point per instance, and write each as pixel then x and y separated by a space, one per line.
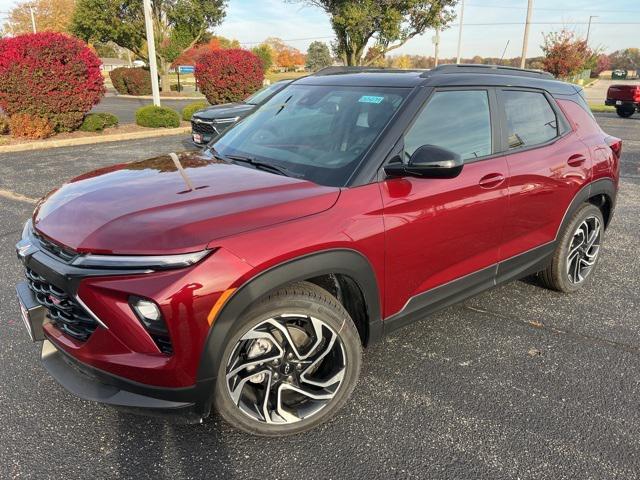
pixel 228 75
pixel 138 81
pixel 51 76
pixel 24 125
pixel 131 81
pixel 117 80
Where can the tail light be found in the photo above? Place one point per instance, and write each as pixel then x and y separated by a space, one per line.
pixel 636 94
pixel 615 144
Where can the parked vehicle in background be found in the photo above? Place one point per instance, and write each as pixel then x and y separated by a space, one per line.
pixel 212 121
pixel 625 97
pixel 619 74
pixel 249 276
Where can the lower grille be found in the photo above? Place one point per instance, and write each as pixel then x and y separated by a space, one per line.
pixel 203 128
pixel 65 313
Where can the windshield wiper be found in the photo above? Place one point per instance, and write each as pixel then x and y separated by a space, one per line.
pixel 261 165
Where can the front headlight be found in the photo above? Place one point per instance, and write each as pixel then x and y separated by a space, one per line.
pixel 153 262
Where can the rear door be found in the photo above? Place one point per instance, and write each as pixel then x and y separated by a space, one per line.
pixel 547 163
pixel 440 230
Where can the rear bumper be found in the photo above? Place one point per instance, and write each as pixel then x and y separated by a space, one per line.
pixel 624 103
pixel 91 384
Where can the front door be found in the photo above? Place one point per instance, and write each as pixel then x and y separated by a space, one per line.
pixel 443 235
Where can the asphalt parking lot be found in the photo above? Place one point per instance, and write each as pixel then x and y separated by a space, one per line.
pixel 519 382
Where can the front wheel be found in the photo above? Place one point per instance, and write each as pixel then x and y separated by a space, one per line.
pixel 577 251
pixel 292 363
pixel 625 112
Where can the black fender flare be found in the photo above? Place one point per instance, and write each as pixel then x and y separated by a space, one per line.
pixel 603 186
pixel 338 261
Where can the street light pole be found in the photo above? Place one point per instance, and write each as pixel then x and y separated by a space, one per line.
pixel 151 48
pixel 589 28
pixel 33 19
pixel 525 40
pixel 460 32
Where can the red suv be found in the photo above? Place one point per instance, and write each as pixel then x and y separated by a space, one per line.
pixel 249 277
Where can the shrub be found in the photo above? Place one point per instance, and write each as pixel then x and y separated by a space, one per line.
pixel 189 110
pixel 138 81
pixel 157 117
pixel 117 80
pixel 25 125
pixel 174 87
pixel 96 122
pixel 131 81
pixel 49 75
pixel 228 75
pixel 4 124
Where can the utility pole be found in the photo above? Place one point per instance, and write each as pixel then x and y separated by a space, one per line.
pixel 33 19
pixel 525 40
pixel 436 43
pixel 460 32
pixel 151 48
pixel 589 28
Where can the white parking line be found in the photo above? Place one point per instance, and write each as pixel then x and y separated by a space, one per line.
pixel 8 194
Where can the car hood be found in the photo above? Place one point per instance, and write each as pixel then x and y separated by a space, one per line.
pixel 147 207
pixel 227 110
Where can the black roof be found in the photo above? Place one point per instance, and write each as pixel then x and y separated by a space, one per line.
pixel 443 75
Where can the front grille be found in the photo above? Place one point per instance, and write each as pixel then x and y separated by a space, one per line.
pixel 65 313
pixel 203 128
pixel 59 251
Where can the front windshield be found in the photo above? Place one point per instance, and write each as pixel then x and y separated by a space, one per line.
pixel 262 94
pixel 319 133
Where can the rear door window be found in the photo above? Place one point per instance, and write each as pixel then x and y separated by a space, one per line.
pixel 530 119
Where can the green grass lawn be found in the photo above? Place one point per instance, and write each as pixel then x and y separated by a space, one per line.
pixel 599 107
pixel 277 76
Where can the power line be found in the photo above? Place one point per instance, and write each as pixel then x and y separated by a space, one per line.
pixel 466 24
pixel 517 7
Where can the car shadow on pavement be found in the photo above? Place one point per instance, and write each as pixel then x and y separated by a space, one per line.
pixel 167 449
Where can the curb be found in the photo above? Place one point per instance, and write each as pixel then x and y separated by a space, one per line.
pixel 72 142
pixel 149 97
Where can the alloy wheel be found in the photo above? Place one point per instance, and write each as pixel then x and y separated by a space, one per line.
pixel 286 369
pixel 584 249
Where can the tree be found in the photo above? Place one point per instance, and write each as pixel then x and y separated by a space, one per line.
pixel 390 23
pixel 318 56
pixel 178 25
pixel 266 55
pixel 627 59
pixel 403 61
pixel 190 56
pixel 564 53
pixel 50 15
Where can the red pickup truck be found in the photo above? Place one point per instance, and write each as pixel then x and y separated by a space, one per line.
pixel 626 99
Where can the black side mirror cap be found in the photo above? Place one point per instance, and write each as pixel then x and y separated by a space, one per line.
pixel 428 161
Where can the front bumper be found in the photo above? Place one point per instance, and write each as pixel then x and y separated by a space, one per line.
pixel 118 363
pixel 97 386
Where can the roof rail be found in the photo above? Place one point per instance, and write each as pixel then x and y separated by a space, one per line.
pixel 489 69
pixel 340 70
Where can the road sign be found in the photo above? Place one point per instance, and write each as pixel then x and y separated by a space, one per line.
pixel 186 69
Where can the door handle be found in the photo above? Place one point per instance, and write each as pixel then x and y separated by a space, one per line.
pixel 491 180
pixel 576 160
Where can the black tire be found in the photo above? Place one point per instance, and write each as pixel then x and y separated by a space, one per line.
pixel 304 299
pixel 556 276
pixel 625 112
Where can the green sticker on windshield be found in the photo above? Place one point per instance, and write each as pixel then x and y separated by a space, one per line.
pixel 370 99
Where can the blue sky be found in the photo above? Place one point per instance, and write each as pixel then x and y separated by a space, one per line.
pixel 253 20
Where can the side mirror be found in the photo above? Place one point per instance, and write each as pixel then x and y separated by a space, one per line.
pixel 428 161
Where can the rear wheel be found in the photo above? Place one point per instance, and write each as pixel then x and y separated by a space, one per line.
pixel 577 251
pixel 292 363
pixel 625 112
